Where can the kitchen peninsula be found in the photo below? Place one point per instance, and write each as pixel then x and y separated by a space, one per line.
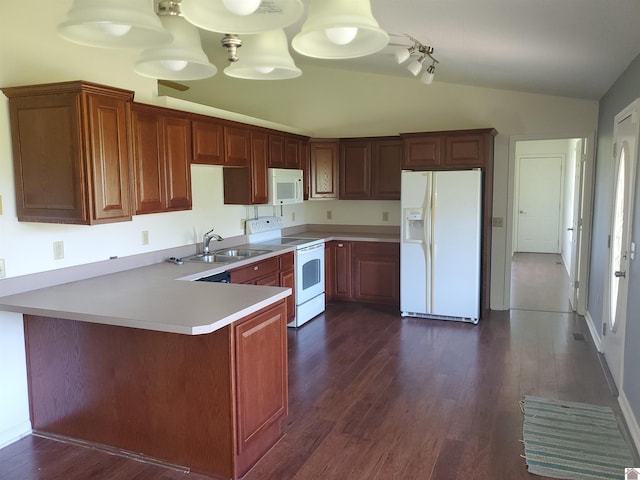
pixel 192 374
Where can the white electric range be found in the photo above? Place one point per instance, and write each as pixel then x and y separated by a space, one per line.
pixel 309 265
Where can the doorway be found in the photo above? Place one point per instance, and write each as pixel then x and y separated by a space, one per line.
pixel 550 203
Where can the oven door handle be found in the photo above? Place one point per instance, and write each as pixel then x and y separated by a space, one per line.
pixel 311 247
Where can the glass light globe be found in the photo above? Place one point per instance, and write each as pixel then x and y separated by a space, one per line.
pixel 242 7
pixel 114 29
pixel 341 35
pixel 174 65
pixel 264 70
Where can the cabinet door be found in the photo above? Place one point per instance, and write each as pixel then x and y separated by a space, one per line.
pixel 324 169
pixel 287 279
pixel 386 166
pixel 355 173
pixel 109 158
pixel 329 271
pixel 208 142
pixel 422 151
pixel 237 144
pixel 304 166
pixel 291 153
pixel 261 382
pixel 148 159
pixel 464 150
pixel 259 156
pixel 342 269
pixel 176 134
pixel 376 272
pixel 276 151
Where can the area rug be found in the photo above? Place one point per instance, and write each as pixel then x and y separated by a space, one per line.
pixel 573 441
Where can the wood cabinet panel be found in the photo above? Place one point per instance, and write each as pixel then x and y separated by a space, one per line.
pixel 342 270
pixel 422 151
pixel 237 144
pixel 70 152
pixel 465 150
pixel 161 146
pixel 304 166
pixel 261 382
pixel 291 153
pixel 329 271
pixel 376 272
pixel 276 151
pixel 250 273
pixel 324 168
pixel 355 170
pixel 287 279
pixel 248 185
pixel 208 142
pixel 386 169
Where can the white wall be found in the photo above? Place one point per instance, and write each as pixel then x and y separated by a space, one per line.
pixel 323 102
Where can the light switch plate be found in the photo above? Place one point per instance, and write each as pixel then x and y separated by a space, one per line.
pixel 385 216
pixel 329 215
pixel 3 272
pixel 0 204
pixel 145 237
pixel 498 222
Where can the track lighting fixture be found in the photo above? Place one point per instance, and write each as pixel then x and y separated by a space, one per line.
pixel 415 67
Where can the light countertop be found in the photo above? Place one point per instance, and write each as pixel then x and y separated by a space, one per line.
pixel 161 297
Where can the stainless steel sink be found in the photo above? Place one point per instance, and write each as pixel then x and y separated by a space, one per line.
pixel 240 252
pixel 226 255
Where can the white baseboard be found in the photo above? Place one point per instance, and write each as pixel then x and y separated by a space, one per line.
pixel 630 419
pixel 14 433
pixel 595 333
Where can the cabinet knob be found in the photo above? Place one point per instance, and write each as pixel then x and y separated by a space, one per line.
pixel 341 244
pixel 255 268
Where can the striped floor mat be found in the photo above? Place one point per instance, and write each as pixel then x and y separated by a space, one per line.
pixel 573 440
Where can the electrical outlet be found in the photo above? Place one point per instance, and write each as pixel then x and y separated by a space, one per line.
pixel 243 224
pixel 329 215
pixel 497 222
pixel 293 216
pixel 58 250
pixel 145 237
pixel 385 216
pixel 3 272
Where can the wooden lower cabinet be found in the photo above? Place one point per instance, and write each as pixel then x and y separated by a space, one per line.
pixel 212 403
pixel 276 272
pixel 363 272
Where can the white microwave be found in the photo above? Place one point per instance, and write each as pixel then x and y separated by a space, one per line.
pixel 285 186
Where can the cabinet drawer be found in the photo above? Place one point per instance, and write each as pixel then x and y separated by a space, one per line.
pixel 255 270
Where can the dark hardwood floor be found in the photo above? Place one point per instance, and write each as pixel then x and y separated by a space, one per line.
pixel 374 396
pixel 539 281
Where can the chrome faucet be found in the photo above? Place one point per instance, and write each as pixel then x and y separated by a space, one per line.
pixel 207 239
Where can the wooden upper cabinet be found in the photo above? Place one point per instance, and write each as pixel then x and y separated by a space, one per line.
pixel 70 152
pixel 355 170
pixel 386 167
pixel 248 185
pixel 208 141
pixel 292 153
pixel 449 149
pixel 422 151
pixel 370 168
pixel 276 151
pixel 237 144
pixel 304 166
pixel 161 146
pixel 324 168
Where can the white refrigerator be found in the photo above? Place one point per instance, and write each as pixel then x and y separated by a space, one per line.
pixel 440 248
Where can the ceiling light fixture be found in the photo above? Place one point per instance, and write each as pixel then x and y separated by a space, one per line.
pixel 183 58
pixel 113 24
pixel 232 43
pixel 242 7
pixel 214 15
pixel 336 29
pixel 265 56
pixel 415 67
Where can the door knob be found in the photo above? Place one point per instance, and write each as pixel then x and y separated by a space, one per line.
pixel 620 274
pixel 570 229
pixel 522 211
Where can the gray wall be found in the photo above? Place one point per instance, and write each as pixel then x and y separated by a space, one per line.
pixel 622 93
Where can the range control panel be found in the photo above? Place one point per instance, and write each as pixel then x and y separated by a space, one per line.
pixel 263 224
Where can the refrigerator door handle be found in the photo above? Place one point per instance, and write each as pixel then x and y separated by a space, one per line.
pixel 427 245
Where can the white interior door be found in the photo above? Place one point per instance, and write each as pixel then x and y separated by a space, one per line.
pixel 576 226
pixel 539 206
pixel 615 312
